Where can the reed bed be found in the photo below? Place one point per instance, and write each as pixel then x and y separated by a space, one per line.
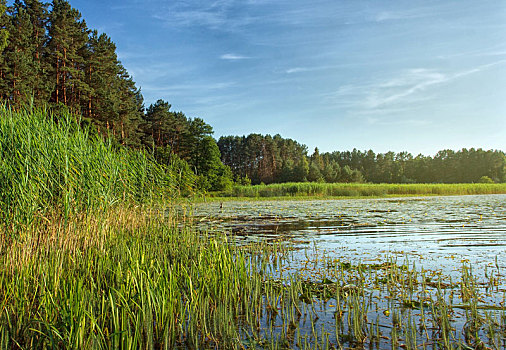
pixel 143 278
pixel 311 189
pixel 51 164
pixel 124 279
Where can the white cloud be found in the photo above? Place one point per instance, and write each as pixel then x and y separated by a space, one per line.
pixel 401 93
pixel 403 86
pixel 315 68
pixel 298 70
pixel 397 121
pixel 391 16
pixel 183 88
pixel 233 57
pixel 215 15
pixel 410 85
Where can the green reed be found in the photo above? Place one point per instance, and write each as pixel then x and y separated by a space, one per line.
pixel 308 189
pixel 51 164
pixel 123 280
pixel 139 278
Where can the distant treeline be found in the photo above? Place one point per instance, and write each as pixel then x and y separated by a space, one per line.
pixel 267 159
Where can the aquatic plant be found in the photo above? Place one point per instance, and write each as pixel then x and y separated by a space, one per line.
pixel 309 189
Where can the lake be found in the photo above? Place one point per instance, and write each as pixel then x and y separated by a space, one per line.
pixel 439 232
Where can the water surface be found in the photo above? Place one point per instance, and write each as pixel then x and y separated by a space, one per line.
pixel 440 232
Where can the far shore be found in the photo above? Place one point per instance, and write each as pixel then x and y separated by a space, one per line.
pixel 339 191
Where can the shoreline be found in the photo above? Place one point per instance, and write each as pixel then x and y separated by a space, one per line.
pixel 340 191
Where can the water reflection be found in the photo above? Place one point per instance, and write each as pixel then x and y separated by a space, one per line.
pixel 442 231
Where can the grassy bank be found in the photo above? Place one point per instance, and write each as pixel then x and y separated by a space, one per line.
pixel 357 190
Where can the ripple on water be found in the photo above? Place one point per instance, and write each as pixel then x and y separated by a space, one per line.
pixel 466 227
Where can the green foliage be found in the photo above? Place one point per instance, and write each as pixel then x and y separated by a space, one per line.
pixel 4 34
pixel 52 59
pixel 485 180
pixel 277 160
pixel 50 164
pixel 169 132
pixel 264 158
pixel 18 57
pixel 242 180
pixel 213 174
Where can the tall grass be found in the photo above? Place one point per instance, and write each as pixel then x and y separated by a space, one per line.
pixel 144 279
pixel 50 164
pixel 90 271
pixel 313 189
pixel 122 279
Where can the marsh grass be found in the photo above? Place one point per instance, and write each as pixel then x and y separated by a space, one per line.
pixel 315 190
pixel 128 278
pixel 50 164
pixel 136 277
pixel 100 260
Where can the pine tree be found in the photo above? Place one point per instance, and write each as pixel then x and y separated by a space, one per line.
pixel 4 34
pixel 39 17
pixel 18 72
pixel 68 36
pixel 131 109
pixel 113 103
pixel 101 73
pixel 166 128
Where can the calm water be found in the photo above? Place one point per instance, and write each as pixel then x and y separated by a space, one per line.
pixel 440 232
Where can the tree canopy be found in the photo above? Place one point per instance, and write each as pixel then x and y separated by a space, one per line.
pixel 52 58
pixel 270 159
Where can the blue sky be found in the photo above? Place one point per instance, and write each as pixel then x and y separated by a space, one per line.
pixel 411 75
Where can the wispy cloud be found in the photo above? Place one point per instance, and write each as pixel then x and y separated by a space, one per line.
pixel 184 88
pixel 233 57
pixel 237 15
pixel 316 68
pixel 399 93
pixel 413 12
pixel 497 50
pixel 398 88
pixel 398 15
pixel 298 70
pixel 397 121
pixel 217 14
pixel 415 81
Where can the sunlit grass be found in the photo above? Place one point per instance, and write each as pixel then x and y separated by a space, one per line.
pixel 355 190
pixel 142 278
pixel 51 164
